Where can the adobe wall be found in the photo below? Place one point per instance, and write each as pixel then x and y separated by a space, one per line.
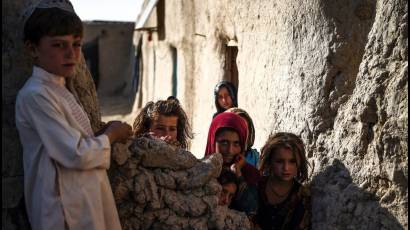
pixel 116 55
pixel 334 72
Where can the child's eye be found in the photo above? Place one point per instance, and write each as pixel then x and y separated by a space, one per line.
pixel 223 142
pixel 79 44
pixel 58 45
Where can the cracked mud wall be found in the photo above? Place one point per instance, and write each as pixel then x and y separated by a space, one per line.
pixel 334 72
pixel 337 75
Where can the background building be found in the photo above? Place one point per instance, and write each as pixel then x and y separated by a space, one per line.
pixel 110 56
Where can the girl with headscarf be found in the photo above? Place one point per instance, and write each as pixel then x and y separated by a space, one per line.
pixel 227 136
pixel 251 154
pixel 225 96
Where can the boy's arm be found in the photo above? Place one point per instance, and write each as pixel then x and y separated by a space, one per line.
pixel 63 143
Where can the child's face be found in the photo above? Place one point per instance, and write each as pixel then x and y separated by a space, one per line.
pixel 228 144
pixel 284 164
pixel 227 193
pixel 58 55
pixel 224 98
pixel 165 127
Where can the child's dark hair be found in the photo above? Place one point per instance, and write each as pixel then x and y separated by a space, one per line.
pixel 233 92
pixel 170 107
pixel 289 141
pixel 251 128
pixel 51 22
pixel 227 177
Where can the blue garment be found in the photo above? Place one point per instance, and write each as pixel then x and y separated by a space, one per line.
pixel 252 157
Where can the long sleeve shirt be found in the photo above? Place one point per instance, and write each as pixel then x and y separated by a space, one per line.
pixel 65 180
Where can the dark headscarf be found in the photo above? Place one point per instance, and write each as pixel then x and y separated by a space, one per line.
pixel 232 92
pixel 226 120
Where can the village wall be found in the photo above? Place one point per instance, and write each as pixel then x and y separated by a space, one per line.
pixel 333 72
pixel 116 56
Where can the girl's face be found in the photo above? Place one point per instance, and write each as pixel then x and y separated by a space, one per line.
pixel 224 98
pixel 227 193
pixel 165 127
pixel 284 164
pixel 228 144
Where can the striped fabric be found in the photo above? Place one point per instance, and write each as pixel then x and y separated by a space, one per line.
pixel 76 109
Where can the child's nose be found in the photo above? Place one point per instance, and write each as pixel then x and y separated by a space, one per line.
pixel 231 148
pixel 167 132
pixel 286 166
pixel 70 52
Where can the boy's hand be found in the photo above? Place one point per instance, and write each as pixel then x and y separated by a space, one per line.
pixel 103 128
pixel 118 131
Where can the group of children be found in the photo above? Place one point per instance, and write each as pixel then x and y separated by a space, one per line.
pixel 65 162
pixel 268 188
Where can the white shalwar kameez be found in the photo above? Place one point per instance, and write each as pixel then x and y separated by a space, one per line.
pixel 65 180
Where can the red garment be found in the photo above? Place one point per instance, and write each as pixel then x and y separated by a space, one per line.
pixel 236 122
pixel 250 174
pixel 226 120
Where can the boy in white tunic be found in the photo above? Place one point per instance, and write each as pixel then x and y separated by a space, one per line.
pixel 65 179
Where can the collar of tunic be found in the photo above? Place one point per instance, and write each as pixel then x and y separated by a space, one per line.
pixel 43 75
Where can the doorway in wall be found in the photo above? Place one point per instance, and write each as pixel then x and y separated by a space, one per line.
pixel 91 56
pixel 231 69
pixel 174 54
pixel 137 67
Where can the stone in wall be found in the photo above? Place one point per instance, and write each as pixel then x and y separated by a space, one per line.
pixel 157 186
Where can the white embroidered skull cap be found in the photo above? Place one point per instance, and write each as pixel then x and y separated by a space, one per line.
pixel 61 4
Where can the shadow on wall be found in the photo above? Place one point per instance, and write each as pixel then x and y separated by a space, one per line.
pixel 349 24
pixel 338 203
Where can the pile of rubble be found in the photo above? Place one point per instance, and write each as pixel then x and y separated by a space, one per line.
pixel 158 186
